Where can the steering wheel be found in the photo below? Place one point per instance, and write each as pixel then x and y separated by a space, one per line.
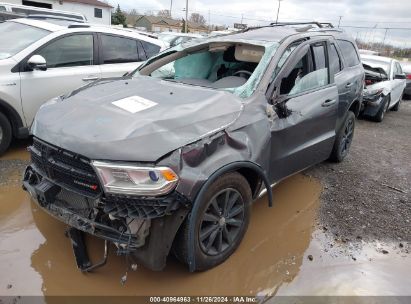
pixel 248 73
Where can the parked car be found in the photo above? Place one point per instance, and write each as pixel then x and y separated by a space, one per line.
pixel 172 158
pixel 40 60
pixel 406 67
pixel 19 11
pixel 384 86
pixel 174 39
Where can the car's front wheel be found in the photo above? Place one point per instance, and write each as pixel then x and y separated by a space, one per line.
pixel 396 107
pixel 344 138
pixel 219 223
pixel 383 109
pixel 5 133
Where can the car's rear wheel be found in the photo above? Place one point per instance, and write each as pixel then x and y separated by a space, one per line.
pixel 344 138
pixel 5 133
pixel 219 223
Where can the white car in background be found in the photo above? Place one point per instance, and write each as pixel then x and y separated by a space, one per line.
pixel 41 60
pixel 384 86
pixel 174 39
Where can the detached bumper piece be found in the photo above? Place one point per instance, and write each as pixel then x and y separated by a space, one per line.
pixel 80 251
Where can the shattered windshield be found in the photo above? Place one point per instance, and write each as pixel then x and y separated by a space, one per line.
pixel 236 67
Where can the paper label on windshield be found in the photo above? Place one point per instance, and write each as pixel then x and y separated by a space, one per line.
pixel 134 104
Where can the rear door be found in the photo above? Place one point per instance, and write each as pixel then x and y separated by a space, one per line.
pixel 119 55
pixel 70 64
pixel 306 100
pixel 398 85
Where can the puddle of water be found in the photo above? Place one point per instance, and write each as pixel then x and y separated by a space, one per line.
pixel 17 150
pixel 365 271
pixel 38 259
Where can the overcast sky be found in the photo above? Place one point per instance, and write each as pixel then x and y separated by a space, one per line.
pixel 359 13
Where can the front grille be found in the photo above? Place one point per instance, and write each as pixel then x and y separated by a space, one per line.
pixel 66 168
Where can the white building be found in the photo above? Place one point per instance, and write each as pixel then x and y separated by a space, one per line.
pixel 95 11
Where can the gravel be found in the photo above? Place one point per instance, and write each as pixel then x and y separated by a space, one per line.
pixel 368 196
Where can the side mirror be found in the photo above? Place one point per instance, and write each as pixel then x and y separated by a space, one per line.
pixel 37 62
pixel 400 76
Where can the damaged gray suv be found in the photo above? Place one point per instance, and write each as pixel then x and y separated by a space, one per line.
pixel 170 158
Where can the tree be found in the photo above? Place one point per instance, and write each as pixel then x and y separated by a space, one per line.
pixel 118 17
pixel 197 18
pixel 183 26
pixel 164 13
pixel 131 17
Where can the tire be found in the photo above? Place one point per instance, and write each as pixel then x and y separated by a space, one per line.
pixel 343 139
pixel 5 133
pixel 397 106
pixel 222 233
pixel 379 117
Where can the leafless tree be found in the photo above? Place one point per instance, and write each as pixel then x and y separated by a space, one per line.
pixel 164 13
pixel 132 16
pixel 197 18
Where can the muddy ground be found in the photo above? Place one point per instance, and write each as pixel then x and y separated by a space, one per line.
pixel 336 229
pixel 368 196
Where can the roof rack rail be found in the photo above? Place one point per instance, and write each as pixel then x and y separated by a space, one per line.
pixel 81 25
pixel 318 24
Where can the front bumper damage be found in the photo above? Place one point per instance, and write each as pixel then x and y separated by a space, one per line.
pixel 142 227
pixel 372 104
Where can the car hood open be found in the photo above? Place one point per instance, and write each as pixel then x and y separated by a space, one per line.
pixel 139 119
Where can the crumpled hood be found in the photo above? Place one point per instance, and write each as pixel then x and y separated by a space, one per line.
pixel 171 115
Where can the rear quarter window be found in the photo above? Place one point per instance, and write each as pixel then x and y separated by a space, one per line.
pixel 349 52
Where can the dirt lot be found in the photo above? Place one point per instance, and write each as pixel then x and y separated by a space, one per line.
pixel 368 196
pixel 336 229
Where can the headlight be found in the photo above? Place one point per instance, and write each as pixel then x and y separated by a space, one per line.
pixel 376 92
pixel 127 179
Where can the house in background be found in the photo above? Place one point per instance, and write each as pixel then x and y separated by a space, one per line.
pixel 158 24
pixel 96 11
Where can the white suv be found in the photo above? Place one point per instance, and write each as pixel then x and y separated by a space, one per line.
pixel 40 60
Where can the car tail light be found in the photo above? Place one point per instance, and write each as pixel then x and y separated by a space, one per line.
pixel 409 76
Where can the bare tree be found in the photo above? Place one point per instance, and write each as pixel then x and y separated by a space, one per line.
pixel 149 13
pixel 164 13
pixel 197 18
pixel 132 16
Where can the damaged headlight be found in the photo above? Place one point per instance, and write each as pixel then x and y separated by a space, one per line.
pixel 127 179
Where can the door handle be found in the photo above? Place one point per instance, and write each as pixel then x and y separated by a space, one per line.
pixel 90 78
pixel 329 102
pixel 349 85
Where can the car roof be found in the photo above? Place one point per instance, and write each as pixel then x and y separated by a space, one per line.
pixel 376 58
pixel 86 27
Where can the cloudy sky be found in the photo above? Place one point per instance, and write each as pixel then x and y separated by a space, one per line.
pixel 374 14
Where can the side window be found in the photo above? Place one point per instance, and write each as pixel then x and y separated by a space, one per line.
pixel 98 13
pixel 335 60
pixel 349 52
pixel 70 51
pixel 2 8
pixel 119 49
pixel 309 73
pixel 150 49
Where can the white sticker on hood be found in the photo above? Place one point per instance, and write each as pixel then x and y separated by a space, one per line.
pixel 134 104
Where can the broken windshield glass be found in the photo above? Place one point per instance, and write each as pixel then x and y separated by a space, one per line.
pixel 233 66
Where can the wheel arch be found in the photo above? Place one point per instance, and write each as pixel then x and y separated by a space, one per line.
pixel 247 169
pixel 13 117
pixel 355 107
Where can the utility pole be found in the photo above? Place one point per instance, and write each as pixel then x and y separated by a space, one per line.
pixel 186 23
pixel 339 21
pixel 209 22
pixel 383 40
pixel 242 15
pixel 171 7
pixel 278 11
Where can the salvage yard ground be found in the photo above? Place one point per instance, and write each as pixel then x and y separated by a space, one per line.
pixel 336 229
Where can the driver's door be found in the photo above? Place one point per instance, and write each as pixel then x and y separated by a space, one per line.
pixel 306 100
